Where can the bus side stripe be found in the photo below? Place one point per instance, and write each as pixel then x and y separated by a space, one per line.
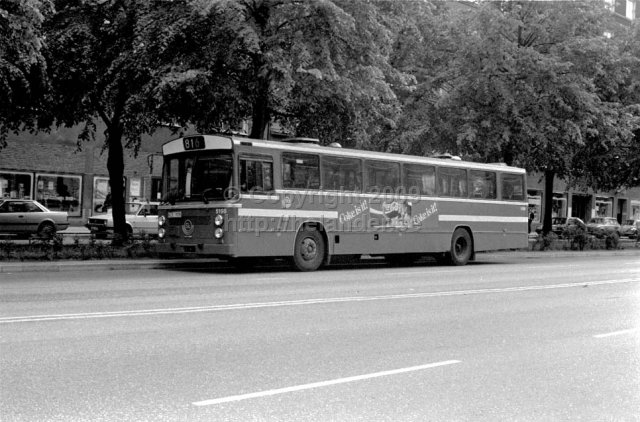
pixel 483 218
pixel 258 212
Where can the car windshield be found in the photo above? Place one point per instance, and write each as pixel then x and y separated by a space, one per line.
pixel 559 220
pixel 132 207
pixel 610 220
pixel 629 222
pixel 197 177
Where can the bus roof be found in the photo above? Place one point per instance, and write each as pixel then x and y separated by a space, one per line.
pixel 304 146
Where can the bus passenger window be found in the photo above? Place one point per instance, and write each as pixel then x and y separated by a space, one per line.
pixel 483 184
pixel 256 175
pixel 382 177
pixel 419 179
pixel 341 173
pixel 300 171
pixel 452 182
pixel 512 187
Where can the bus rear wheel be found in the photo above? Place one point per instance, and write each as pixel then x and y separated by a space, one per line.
pixel 309 250
pixel 461 247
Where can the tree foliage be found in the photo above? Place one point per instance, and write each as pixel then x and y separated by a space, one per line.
pixel 320 68
pixel 22 64
pixel 527 84
pixel 611 157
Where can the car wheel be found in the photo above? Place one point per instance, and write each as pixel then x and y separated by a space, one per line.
pixel 46 230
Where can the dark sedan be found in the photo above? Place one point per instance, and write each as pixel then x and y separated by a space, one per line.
pixel 26 217
pixel 630 228
pixel 560 225
pixel 602 226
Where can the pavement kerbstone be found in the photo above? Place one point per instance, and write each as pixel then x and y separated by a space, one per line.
pixel 202 263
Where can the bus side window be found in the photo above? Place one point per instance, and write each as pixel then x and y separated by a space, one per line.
pixel 452 182
pixel 483 184
pixel 382 177
pixel 512 187
pixel 341 173
pixel 419 179
pixel 256 175
pixel 300 171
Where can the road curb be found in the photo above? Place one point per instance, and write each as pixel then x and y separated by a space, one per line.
pixel 203 263
pixel 99 265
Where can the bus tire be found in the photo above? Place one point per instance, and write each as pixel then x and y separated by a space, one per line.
pixel 461 247
pixel 309 250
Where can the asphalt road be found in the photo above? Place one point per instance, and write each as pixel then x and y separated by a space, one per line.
pixel 503 339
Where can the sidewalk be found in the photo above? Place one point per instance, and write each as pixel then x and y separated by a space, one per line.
pixel 75 231
pixel 207 263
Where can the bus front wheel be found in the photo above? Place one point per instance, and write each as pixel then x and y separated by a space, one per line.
pixel 309 250
pixel 461 247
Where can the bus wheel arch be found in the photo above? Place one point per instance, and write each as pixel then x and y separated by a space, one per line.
pixel 310 248
pixel 462 246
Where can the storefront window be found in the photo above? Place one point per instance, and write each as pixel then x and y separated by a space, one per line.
pixel 101 195
pixel 15 185
pixel 635 210
pixel 60 192
pixel 559 206
pixel 101 201
pixel 535 206
pixel 604 206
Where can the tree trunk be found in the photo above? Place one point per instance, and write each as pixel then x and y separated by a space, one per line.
pixel 115 166
pixel 260 115
pixel 549 175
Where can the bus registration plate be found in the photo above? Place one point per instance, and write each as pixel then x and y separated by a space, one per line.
pixel 175 214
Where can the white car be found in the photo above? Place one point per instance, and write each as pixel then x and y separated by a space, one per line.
pixel 142 218
pixel 26 217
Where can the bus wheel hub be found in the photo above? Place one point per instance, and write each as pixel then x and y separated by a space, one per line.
pixel 308 249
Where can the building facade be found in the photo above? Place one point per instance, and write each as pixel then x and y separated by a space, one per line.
pixel 623 204
pixel 66 176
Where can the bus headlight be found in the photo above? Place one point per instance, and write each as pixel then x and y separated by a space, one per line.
pixel 218 233
pixel 161 233
pixel 161 221
pixel 218 219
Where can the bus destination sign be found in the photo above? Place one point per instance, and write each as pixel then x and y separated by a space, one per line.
pixel 193 142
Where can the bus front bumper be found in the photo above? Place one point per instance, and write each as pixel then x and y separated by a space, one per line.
pixel 205 249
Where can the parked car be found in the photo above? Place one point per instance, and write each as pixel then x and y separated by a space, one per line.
pixel 601 226
pixel 559 225
pixel 630 228
pixel 24 217
pixel 142 218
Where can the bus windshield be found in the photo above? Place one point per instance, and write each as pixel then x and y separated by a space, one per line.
pixel 203 177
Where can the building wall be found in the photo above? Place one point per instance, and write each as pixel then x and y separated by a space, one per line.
pixel 54 169
pixel 585 204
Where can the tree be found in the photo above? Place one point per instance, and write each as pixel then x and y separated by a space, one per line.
pixel 318 67
pixel 22 64
pixel 611 157
pixel 515 90
pixel 99 70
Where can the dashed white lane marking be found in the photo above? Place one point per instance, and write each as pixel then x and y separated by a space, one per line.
pixel 320 384
pixel 616 333
pixel 301 302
